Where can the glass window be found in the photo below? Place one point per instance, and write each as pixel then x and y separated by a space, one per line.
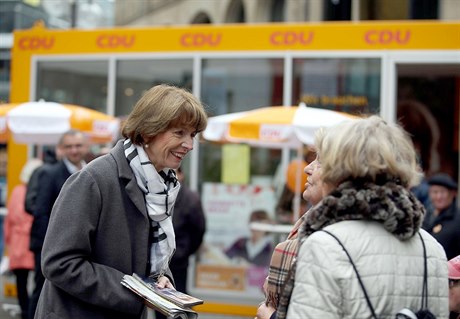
pixel 134 77
pixel 230 85
pixel 428 108
pixel 348 85
pixel 77 82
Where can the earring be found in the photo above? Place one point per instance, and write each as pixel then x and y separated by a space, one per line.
pixel 146 145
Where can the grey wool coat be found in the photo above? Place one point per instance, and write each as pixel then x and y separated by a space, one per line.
pixel 99 230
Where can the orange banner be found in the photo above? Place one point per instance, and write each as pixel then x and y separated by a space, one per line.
pixel 247 37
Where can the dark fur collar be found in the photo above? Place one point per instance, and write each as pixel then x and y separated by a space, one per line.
pixel 387 202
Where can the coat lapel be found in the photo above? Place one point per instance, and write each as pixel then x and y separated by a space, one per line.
pixel 125 173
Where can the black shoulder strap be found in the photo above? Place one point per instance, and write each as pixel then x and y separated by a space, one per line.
pixel 357 274
pixel 425 276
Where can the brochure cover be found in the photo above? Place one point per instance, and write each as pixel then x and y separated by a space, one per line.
pixel 170 302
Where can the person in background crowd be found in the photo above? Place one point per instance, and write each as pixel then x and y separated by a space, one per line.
pixel 422 192
pixel 285 252
pixel 17 236
pixel 454 287
pixel 255 249
pixel 443 220
pixel 33 187
pixel 113 218
pixel 3 190
pixel 189 226
pixel 367 168
pixel 72 147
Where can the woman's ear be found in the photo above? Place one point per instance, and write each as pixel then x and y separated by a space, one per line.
pixel 145 139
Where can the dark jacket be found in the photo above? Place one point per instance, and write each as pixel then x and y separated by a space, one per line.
pixel 33 186
pixel 189 226
pixel 50 181
pixel 99 231
pixel 446 229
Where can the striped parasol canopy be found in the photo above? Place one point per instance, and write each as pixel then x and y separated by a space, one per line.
pixel 275 126
pixel 43 122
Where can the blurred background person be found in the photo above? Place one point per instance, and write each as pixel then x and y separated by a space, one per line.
pixel 454 287
pixel 17 236
pixel 443 220
pixel 189 227
pixel 418 120
pixel 33 187
pixel 367 168
pixel 255 249
pixel 3 190
pixel 72 147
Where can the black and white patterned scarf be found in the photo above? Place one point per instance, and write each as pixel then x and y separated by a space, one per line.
pixel 160 191
pixel 386 202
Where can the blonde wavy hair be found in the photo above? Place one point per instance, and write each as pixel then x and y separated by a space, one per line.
pixel 366 148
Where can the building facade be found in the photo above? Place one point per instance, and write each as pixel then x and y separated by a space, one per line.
pixel 174 12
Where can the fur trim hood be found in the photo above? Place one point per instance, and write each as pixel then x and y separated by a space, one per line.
pixel 387 202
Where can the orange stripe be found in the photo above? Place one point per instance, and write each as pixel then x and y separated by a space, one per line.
pixel 227 309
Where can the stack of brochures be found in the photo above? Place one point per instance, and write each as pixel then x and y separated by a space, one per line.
pixel 170 302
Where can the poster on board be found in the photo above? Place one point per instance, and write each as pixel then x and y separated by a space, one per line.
pixel 233 257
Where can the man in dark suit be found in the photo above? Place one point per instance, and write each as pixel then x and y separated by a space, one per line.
pixel 72 147
pixel 49 157
pixel 189 226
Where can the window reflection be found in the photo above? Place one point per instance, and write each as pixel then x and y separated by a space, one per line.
pixel 236 85
pixel 136 77
pixel 76 82
pixel 348 85
pixel 427 107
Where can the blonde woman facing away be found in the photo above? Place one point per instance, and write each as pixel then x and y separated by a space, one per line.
pixel 367 168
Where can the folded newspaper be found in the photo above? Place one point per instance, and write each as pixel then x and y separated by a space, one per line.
pixel 170 302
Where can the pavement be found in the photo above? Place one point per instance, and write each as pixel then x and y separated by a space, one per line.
pixel 9 308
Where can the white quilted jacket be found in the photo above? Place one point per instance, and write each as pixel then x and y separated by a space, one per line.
pixel 392 271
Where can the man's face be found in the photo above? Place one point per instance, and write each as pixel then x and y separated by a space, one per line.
pixel 441 197
pixel 74 148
